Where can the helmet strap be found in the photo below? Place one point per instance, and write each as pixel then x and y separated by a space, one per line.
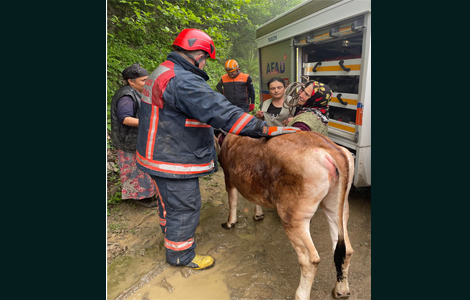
pixel 196 62
pixel 206 55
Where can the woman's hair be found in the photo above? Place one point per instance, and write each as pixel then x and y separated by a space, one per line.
pixel 276 79
pixel 125 81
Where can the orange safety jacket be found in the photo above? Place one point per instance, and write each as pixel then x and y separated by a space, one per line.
pixel 239 90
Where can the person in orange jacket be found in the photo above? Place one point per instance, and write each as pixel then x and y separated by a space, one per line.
pixel 237 87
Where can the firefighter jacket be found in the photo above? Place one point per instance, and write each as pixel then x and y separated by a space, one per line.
pixel 178 111
pixel 124 137
pixel 239 90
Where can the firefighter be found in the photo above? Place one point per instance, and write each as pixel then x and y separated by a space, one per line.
pixel 237 87
pixel 175 143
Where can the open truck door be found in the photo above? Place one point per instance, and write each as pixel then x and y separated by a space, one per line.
pixel 330 42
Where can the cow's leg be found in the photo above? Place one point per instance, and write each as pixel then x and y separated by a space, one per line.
pixel 342 248
pixel 258 215
pixel 298 233
pixel 232 202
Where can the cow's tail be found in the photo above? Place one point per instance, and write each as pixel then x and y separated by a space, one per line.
pixel 346 173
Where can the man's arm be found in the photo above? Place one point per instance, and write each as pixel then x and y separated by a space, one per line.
pixel 251 90
pixel 220 87
pixel 197 100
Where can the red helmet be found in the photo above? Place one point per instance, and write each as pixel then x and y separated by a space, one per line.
pixel 194 39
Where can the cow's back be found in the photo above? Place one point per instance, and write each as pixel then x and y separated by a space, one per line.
pixel 265 170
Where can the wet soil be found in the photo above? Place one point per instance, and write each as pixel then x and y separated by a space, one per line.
pixel 254 260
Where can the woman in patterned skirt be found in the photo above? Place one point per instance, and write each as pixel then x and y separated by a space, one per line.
pixel 125 105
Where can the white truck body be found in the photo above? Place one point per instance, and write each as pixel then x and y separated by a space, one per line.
pixel 330 41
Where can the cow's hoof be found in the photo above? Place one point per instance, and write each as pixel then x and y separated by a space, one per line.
pixel 339 295
pixel 224 225
pixel 258 218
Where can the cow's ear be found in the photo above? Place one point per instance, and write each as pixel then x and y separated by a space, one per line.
pixel 216 144
pixel 221 138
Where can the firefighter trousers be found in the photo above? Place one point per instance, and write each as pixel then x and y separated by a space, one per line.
pixel 179 207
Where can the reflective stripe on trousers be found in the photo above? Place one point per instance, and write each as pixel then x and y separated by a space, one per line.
pixel 181 204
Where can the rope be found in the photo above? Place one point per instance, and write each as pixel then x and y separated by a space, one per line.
pixel 292 91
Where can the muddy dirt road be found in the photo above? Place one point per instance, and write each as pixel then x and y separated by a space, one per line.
pixel 253 261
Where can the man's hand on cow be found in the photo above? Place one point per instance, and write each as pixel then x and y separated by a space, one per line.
pixel 278 130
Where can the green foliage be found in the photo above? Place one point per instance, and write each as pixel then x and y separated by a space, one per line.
pixel 117 227
pixel 115 199
pixel 114 180
pixel 142 31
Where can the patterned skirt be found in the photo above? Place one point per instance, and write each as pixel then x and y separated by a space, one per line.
pixel 135 184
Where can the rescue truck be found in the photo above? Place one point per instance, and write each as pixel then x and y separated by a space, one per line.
pixel 328 41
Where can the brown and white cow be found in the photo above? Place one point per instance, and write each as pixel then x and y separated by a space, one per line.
pixel 294 173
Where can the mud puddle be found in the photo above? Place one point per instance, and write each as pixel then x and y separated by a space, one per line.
pixel 181 283
pixel 254 260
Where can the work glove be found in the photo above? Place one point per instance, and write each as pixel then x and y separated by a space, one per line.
pixel 251 107
pixel 278 130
